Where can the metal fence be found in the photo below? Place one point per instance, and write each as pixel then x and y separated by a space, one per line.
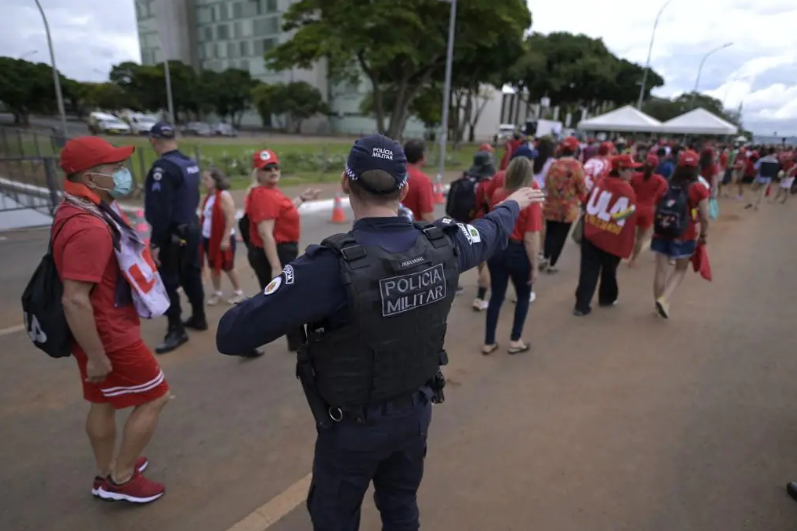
pixel 29 173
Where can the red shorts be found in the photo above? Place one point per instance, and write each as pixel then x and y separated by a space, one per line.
pixel 136 378
pixel 644 216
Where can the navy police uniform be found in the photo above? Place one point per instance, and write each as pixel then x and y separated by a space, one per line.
pixel 170 205
pixel 375 301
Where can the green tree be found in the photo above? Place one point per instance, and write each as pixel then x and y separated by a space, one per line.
pixel 228 93
pixel 76 95
pixel 26 88
pixel 146 86
pixel 301 101
pixel 398 45
pixel 267 100
pixel 108 96
pixel 664 109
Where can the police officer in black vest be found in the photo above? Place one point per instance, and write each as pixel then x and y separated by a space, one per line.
pixel 170 205
pixel 375 301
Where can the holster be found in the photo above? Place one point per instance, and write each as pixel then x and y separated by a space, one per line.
pixel 306 375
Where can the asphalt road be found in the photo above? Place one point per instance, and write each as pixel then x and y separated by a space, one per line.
pixel 618 421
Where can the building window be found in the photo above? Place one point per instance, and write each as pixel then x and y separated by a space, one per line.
pixel 258 47
pixel 203 15
pixel 208 33
pixel 236 30
pixel 222 32
pixel 225 11
pixel 246 28
pixel 232 49
pixel 267 26
pixel 244 65
pixel 269 44
pixel 271 6
pixel 243 47
pixel 238 10
pixel 201 53
pixel 215 50
pixel 222 51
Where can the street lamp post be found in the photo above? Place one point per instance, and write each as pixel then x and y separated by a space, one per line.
pixel 703 62
pixel 447 89
pixel 650 51
pixel 56 78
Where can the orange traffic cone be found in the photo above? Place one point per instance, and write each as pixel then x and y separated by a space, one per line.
pixel 439 197
pixel 142 227
pixel 338 214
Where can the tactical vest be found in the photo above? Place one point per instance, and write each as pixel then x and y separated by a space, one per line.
pixel 186 200
pixel 392 343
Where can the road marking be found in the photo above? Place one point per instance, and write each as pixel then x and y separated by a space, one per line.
pixel 275 509
pixel 12 330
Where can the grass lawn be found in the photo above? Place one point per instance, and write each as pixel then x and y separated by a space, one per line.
pixel 303 159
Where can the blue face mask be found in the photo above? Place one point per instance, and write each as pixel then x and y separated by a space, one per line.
pixel 122 183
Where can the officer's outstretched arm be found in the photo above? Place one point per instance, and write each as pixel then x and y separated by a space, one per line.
pixel 308 290
pixel 482 238
pixel 158 199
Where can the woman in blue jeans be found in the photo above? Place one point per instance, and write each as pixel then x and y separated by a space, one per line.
pixel 518 262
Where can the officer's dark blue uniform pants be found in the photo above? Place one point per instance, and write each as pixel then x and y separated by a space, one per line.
pixel 183 267
pixel 387 447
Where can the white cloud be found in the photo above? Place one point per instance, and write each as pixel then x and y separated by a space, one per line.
pixel 764 46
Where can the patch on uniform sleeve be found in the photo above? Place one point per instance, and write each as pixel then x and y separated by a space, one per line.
pixel 405 293
pixel 466 232
pixel 288 272
pixel 273 286
pixel 474 233
pixel 446 221
pixel 157 174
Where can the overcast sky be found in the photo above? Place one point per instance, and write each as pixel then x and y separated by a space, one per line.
pixel 760 69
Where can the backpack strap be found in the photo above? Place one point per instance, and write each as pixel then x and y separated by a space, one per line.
pixel 433 233
pixel 346 247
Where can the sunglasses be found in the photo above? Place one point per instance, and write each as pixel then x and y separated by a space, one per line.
pixel 271 167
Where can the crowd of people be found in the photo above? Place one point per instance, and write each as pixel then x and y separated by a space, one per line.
pixel 511 223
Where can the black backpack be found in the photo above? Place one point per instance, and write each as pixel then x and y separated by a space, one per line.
pixel 461 202
pixel 673 213
pixel 42 309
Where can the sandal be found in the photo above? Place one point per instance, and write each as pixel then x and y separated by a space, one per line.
pixel 489 349
pixel 517 350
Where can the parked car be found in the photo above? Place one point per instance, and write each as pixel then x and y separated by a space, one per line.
pixel 198 129
pixel 141 123
pixel 106 124
pixel 223 129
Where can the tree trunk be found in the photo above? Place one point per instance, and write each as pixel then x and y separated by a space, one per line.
pixel 379 110
pixel 477 113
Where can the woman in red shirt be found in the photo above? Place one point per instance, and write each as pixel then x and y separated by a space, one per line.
pixel 649 188
pixel 680 249
pixel 273 225
pixel 518 262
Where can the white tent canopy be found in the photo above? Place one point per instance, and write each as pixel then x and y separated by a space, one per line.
pixel 626 119
pixel 699 122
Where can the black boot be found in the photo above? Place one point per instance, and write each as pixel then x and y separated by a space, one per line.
pixel 196 322
pixel 791 489
pixel 254 353
pixel 174 338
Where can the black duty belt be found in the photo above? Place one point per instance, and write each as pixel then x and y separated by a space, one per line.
pixel 360 413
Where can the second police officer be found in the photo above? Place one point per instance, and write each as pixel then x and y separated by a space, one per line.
pixel 170 204
pixel 375 301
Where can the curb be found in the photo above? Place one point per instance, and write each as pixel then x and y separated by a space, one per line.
pixel 309 207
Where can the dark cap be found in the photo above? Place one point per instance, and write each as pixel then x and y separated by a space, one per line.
pixel 482 165
pixel 377 152
pixel 86 152
pixel 525 151
pixel 162 130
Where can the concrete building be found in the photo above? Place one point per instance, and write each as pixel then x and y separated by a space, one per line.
pixel 220 34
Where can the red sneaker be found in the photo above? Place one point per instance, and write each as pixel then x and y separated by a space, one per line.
pixel 138 490
pixel 141 465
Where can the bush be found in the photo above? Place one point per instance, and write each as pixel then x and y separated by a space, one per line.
pixel 292 162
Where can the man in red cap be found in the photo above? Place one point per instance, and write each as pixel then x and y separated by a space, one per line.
pixel 609 229
pixel 117 369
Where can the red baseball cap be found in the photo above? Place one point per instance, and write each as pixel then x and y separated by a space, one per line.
pixel 486 147
pixel 605 148
pixel 86 152
pixel 652 160
pixel 624 162
pixel 688 158
pixel 263 158
pixel 571 143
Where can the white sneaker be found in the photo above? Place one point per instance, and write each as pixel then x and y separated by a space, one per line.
pixel 533 297
pixel 214 299
pixel 236 298
pixel 480 305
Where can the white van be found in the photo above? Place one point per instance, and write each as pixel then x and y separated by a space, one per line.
pixel 140 123
pixel 106 124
